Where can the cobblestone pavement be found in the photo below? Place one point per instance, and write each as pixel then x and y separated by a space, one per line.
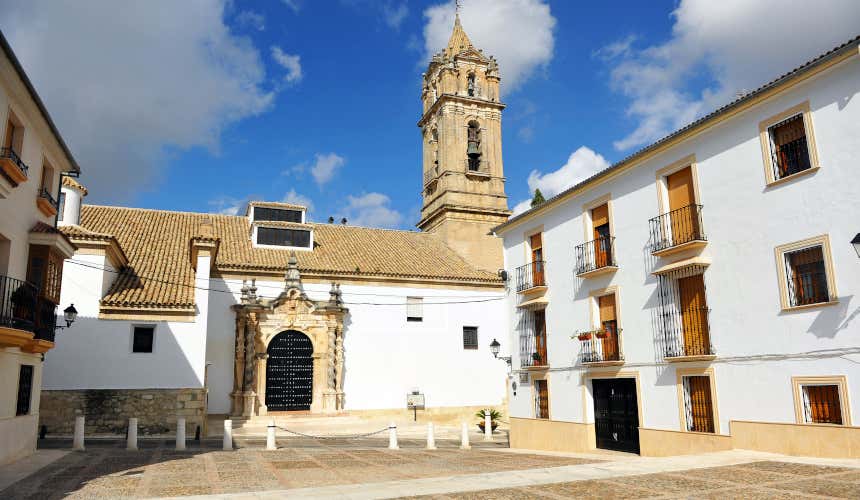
pixel 106 470
pixel 755 480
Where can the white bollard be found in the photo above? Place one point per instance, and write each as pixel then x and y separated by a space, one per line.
pixel 131 439
pixel 431 439
pixel 78 441
pixel 488 427
pixel 180 433
pixel 228 435
pixel 392 436
pixel 270 436
pixel 464 439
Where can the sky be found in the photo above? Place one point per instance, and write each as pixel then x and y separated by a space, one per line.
pixel 202 105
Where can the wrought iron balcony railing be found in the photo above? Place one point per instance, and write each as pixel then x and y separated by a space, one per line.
pixel 18 304
pixel 677 227
pixel 531 275
pixel 44 193
pixel 597 349
pixel 46 320
pixel 431 174
pixel 790 158
pixel 10 154
pixel 686 332
pixel 595 255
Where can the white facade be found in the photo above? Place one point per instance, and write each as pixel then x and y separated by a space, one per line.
pixel 759 346
pixel 386 357
pixel 37 145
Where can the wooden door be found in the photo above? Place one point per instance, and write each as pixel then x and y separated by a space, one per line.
pixel 537 260
pixel 701 405
pixel 542 399
pixel 540 338
pixel 601 233
pixel 609 322
pixel 684 215
pixel 694 315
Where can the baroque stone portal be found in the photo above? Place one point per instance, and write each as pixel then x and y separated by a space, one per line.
pixel 258 321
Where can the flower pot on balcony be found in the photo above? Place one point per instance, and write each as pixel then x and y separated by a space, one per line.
pixel 602 334
pixel 535 357
pixel 584 336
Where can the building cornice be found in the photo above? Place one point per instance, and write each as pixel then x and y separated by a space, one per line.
pixel 457 98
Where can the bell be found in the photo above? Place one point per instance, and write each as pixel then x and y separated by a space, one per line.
pixel 473 150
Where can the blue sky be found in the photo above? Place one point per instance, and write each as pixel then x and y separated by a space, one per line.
pixel 200 106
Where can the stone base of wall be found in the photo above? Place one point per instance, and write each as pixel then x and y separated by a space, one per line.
pixel 107 410
pixel 551 435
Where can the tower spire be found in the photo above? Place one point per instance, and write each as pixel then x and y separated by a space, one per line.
pixel 459 41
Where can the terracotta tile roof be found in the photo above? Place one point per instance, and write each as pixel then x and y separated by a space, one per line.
pixel 160 274
pixel 41 227
pixel 73 183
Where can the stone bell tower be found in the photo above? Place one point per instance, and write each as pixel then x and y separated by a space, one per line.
pixel 464 184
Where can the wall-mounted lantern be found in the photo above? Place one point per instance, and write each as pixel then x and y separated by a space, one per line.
pixel 70 314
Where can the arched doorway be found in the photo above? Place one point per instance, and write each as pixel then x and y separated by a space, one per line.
pixel 289 372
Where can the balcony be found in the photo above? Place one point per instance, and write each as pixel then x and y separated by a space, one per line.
pixel 678 230
pixel 26 320
pixel 46 203
pixel 13 169
pixel 596 257
pixel 530 277
pixel 431 174
pixel 601 347
pixel 686 335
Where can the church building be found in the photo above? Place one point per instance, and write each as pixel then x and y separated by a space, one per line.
pixel 196 314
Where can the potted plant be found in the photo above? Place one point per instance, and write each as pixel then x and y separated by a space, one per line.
pixel 495 415
pixel 583 336
pixel 536 357
pixel 602 333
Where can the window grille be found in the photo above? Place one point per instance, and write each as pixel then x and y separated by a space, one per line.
pixel 806 276
pixel 414 309
pixel 698 406
pixel 25 390
pixel 532 330
pixel 541 399
pixel 821 404
pixel 283 237
pixel 470 337
pixel 788 147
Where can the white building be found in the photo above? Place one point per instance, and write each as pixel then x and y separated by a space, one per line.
pixel 730 318
pixel 33 157
pixel 194 314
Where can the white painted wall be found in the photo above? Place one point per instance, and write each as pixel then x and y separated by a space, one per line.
pixel 72 207
pixel 744 222
pixel 386 356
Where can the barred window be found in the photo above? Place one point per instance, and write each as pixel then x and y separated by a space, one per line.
pixel 821 404
pixel 414 309
pixel 25 390
pixel 698 406
pixel 470 337
pixel 789 149
pixel 283 237
pixel 806 276
pixel 143 338
pixel 277 214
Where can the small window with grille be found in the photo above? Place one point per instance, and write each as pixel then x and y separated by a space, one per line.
pixel 698 405
pixel 25 390
pixel 821 404
pixel 414 309
pixel 806 276
pixel 470 337
pixel 788 147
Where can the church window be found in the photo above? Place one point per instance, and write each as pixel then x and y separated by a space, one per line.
pixel 470 85
pixel 143 337
pixel 282 237
pixel 470 337
pixel 473 150
pixel 414 309
pixel 277 214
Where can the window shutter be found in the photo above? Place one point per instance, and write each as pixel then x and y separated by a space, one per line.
pixel 607 308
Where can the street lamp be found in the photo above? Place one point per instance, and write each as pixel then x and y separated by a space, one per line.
pixel 856 243
pixel 70 314
pixel 495 347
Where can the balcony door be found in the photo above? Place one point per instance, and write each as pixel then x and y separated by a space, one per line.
pixel 609 322
pixel 683 217
pixel 540 337
pixel 600 224
pixel 537 259
pixel 694 317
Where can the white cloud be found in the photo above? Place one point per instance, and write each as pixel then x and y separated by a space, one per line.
pixel 293 197
pixel 736 44
pixel 372 210
pixel 326 166
pixel 580 165
pixel 292 63
pixel 251 19
pixel 519 33
pixel 294 5
pixel 126 83
pixel 394 15
pixel 227 205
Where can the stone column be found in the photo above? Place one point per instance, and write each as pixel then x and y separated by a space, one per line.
pixel 250 375
pixel 262 409
pixel 330 393
pixel 339 365
pixel 238 365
